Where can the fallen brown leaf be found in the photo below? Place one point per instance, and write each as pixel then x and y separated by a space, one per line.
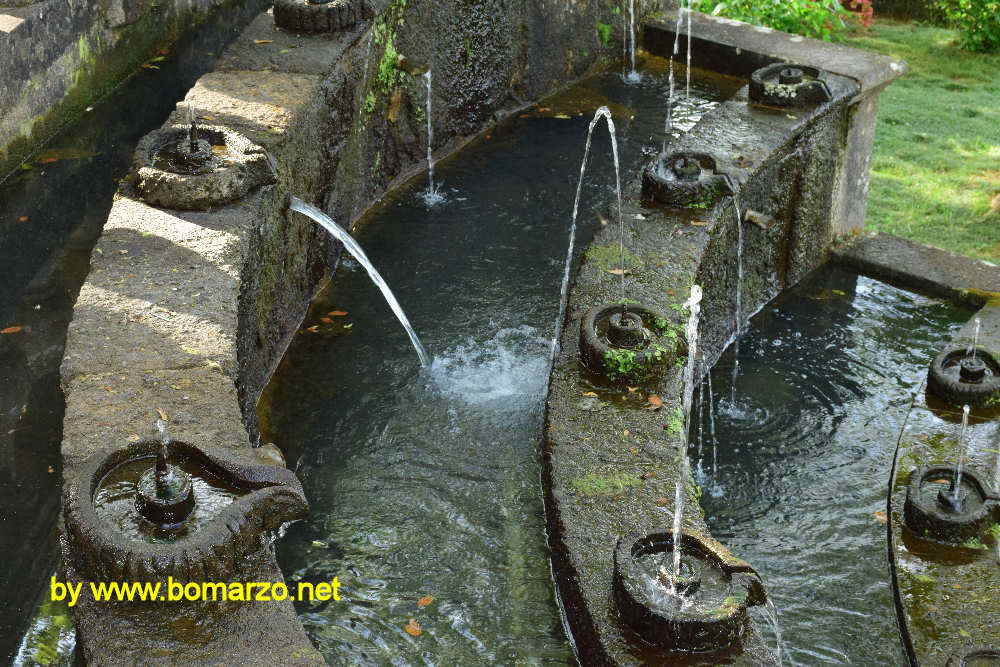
pixel 10 330
pixel 619 272
pixel 413 628
pixel 880 516
pixel 326 320
pixel 424 601
pixel 163 415
pixel 51 469
pixel 23 218
pixel 655 402
pixel 263 41
pixel 337 313
pixel 632 390
pixel 662 502
pixel 699 223
pixel 590 393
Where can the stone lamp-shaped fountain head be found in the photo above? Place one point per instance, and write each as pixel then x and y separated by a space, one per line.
pixel 189 153
pixel 685 179
pixel 164 494
pixel 788 85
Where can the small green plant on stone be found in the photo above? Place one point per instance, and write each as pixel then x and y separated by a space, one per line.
pixel 727 607
pixel 603 485
pixel 995 531
pixel 620 363
pixel 604 32
pixel 676 424
pixel 974 543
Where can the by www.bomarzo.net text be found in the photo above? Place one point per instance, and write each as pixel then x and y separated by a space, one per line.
pixel 193 591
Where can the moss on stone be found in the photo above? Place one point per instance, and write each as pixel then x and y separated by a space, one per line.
pixel 603 485
pixel 607 257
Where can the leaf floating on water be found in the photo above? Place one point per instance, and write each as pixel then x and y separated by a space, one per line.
pixel 263 41
pixel 318 544
pixel 561 116
pixel 413 628
pixel 313 329
pixel 424 601
pixel 337 313
pixel 590 393
pixel 839 292
pixel 880 516
pixel 11 330
pixel 326 320
pixel 23 218
pixel 57 154
pixel 51 469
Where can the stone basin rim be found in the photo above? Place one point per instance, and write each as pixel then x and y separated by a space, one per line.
pixel 274 496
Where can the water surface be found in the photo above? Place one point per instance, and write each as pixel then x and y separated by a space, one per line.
pixel 827 375
pixel 424 486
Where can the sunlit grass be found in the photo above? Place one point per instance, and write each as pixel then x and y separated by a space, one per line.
pixel 936 165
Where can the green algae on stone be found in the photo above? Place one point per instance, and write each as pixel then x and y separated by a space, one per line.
pixel 606 257
pixel 593 484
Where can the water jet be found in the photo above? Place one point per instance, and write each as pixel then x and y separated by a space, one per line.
pixel 701 610
pixel 965 374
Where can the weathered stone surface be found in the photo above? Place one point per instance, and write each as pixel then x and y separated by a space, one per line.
pixel 787 164
pixel 944 596
pixel 190 312
pixel 920 267
pixel 737 48
pixel 60 57
pixel 172 318
pixel 732 47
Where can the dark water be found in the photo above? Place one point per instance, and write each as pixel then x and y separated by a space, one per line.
pixel 424 486
pixel 50 217
pixel 827 373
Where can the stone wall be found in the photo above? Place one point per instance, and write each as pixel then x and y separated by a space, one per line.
pixel 187 313
pixel 60 57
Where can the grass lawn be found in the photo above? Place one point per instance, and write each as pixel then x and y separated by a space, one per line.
pixel 936 165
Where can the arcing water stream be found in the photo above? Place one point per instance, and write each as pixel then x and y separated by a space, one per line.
pixel 353 247
pixel 425 485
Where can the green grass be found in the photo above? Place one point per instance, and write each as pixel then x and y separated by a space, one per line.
pixel 936 164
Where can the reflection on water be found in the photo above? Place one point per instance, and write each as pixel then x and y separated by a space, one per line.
pixel 424 485
pixel 827 375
